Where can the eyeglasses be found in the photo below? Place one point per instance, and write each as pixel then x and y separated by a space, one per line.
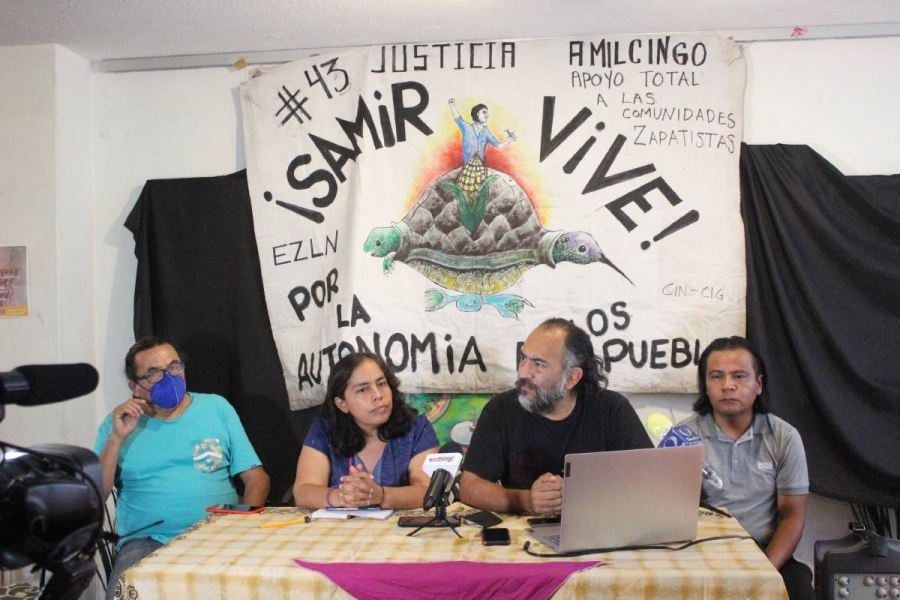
pixel 176 367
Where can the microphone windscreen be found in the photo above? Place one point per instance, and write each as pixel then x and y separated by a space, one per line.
pixel 685 436
pixel 680 436
pixel 55 383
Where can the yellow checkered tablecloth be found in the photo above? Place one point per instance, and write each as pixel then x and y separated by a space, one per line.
pixel 229 557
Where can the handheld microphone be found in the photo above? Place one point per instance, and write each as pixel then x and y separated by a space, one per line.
pixel 442 468
pixel 33 385
pixel 440 483
pixel 685 436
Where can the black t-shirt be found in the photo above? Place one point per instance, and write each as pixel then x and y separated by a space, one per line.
pixel 515 447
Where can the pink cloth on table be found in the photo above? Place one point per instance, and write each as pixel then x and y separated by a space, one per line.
pixel 449 580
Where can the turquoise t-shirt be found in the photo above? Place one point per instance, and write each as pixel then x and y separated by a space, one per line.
pixel 173 470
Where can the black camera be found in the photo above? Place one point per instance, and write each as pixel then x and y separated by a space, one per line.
pixel 51 498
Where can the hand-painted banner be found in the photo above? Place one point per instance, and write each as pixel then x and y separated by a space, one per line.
pixel 435 202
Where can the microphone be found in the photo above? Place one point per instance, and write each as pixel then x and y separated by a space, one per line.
pixel 442 468
pixel 685 436
pixel 33 385
pixel 440 483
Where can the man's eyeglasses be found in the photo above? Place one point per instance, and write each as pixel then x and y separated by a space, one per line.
pixel 175 368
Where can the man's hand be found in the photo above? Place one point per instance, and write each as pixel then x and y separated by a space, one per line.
pixel 124 419
pixel 126 415
pixel 546 494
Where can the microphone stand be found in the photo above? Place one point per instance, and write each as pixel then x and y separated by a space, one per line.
pixel 440 518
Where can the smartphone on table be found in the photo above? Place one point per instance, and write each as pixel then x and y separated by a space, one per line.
pixel 235 509
pixel 481 518
pixel 427 521
pixel 543 521
pixel 495 536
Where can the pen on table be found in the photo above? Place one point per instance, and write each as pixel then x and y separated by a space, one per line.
pixel 282 523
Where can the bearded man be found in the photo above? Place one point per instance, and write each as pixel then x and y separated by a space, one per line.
pixel 560 406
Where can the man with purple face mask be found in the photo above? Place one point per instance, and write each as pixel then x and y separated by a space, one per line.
pixel 560 406
pixel 170 454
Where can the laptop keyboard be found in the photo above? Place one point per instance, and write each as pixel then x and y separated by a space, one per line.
pixel 554 539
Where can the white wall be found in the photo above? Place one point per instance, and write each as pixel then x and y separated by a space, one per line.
pixel 27 200
pixel 150 125
pixel 837 96
pixel 46 205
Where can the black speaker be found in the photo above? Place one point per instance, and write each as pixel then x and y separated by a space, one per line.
pixel 862 565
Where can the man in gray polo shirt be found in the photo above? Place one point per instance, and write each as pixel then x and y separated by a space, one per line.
pixel 759 457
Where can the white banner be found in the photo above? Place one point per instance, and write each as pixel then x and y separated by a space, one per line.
pixel 435 202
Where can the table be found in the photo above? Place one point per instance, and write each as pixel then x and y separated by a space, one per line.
pixel 229 557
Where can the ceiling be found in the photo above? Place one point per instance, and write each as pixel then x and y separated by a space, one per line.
pixel 114 29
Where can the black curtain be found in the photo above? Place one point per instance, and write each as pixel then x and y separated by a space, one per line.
pixel 199 284
pixel 823 306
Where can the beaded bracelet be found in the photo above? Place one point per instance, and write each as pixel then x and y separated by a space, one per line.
pixel 328 496
pixel 382 494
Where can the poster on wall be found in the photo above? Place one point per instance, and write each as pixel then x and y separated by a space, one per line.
pixel 13 281
pixel 434 203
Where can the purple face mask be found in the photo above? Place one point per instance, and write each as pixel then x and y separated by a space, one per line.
pixel 168 393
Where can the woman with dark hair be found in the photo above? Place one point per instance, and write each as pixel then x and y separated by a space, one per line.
pixel 368 447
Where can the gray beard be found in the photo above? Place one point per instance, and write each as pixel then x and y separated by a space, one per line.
pixel 545 399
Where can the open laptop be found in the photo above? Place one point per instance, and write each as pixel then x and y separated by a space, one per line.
pixel 627 498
